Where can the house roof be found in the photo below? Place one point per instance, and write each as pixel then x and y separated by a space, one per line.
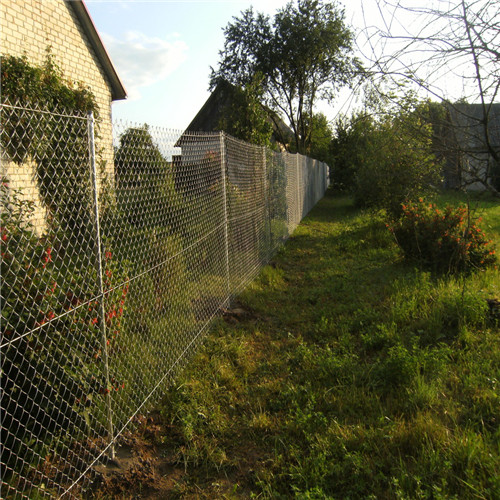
pixel 78 7
pixel 209 116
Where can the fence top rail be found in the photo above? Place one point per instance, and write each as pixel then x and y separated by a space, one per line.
pixel 35 108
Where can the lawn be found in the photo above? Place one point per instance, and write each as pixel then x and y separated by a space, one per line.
pixel 342 372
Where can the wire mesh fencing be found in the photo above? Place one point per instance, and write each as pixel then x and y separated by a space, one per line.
pixel 113 268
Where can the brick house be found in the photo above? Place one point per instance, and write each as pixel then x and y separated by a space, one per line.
pixel 32 27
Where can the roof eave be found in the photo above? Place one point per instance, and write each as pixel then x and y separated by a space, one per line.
pixel 118 91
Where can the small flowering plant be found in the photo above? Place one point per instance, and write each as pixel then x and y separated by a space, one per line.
pixel 54 320
pixel 446 240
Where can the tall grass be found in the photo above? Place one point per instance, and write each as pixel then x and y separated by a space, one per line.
pixel 351 375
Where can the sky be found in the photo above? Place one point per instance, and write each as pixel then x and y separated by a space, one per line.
pixel 163 51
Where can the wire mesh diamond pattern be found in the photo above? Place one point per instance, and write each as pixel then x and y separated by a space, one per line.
pixel 115 260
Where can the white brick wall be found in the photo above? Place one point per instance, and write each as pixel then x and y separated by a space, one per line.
pixel 31 27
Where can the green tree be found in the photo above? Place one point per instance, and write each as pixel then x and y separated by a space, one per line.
pixel 304 54
pixel 397 162
pixel 320 136
pixel 145 185
pixel 348 148
pixel 246 118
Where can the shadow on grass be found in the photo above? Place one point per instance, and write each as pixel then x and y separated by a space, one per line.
pixel 318 387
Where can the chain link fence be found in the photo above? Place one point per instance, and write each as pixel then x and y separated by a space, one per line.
pixel 113 269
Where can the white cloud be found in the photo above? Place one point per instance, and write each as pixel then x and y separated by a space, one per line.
pixel 142 61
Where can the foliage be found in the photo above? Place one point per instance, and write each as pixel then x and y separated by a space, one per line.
pixel 320 137
pixel 57 145
pixel 470 71
pixel 348 149
pixel 303 55
pixel 146 192
pixel 147 346
pixel 41 86
pixel 247 119
pixel 50 315
pixel 445 240
pixel 398 163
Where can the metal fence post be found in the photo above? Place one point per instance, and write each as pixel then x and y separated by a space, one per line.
pixel 299 208
pixel 100 283
pixel 267 202
pixel 223 162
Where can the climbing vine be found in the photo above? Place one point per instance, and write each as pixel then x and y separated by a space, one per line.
pixel 57 146
pixel 46 86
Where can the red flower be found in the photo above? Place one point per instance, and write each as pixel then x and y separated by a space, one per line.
pixel 47 257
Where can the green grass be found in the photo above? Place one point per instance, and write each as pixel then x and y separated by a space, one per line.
pixel 354 375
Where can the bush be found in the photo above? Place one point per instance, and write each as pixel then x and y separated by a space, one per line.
pixel 348 148
pixel 445 240
pixel 398 166
pixel 52 322
pixel 389 159
pixel 146 193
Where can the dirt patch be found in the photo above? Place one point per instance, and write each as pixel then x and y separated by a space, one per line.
pixel 142 468
pixel 151 464
pixel 237 313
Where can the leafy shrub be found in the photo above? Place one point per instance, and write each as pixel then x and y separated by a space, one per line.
pixel 348 147
pixel 399 165
pixel 52 324
pixel 445 240
pixel 57 146
pixel 146 193
pixel 387 160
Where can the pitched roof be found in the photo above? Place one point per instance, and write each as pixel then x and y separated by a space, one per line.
pixel 78 7
pixel 208 117
pixel 219 103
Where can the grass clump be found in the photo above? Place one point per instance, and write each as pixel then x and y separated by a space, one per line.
pixel 352 374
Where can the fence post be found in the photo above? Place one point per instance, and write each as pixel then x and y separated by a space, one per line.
pixel 267 202
pixel 102 311
pixel 223 163
pixel 299 208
